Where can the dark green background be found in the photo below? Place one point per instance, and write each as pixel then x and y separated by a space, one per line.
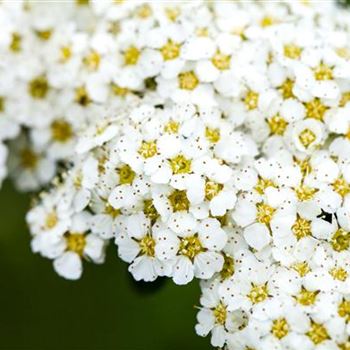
pixel 104 310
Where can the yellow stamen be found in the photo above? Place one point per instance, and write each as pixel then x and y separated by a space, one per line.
pixel 258 293
pixel 148 149
pixel 251 100
pixel 188 80
pixel 170 50
pixel 126 175
pixel 280 328
pixel 292 51
pixel 190 246
pixel 221 61
pixel 315 109
pixel 76 243
pixel 212 135
pixel 277 125
pixel 38 87
pixel 264 213
pixel 131 56
pixel 61 131
pixel 301 228
pixel 179 201
pixel 147 245
pixel 317 333
pixel 307 137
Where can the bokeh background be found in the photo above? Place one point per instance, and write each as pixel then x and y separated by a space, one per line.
pixel 104 310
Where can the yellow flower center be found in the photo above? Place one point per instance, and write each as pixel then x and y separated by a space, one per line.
pixel 150 210
pixel 340 240
pixel 66 53
pixel 28 159
pixel 339 274
pixel 304 166
pixel 302 268
pixel 263 184
pixel 345 98
pixel 38 87
pixel 114 27
pixel 81 96
pixel 188 80
pixel 126 175
pixel 280 328
pixel 292 51
pixel 344 310
pixel 202 31
pixel 170 50
pixel 92 60
pixel 180 165
pixel 305 193
pixel 315 109
pixel 221 61
pixel 172 127
pixel 76 243
pixel 148 149
pixel 306 297
pixel 267 21
pixel 16 42
pixel 344 346
pixel 51 220
pixel 212 189
pixel 212 135
pixel 317 333
pixel 44 34
pixel 144 11
pixel 341 186
pixel 286 89
pixel 147 245
pixel 61 131
pixel 190 246
pixel 307 137
pixel 172 13
pixel 264 213
pixel 109 210
pixel 277 125
pixel 179 201
pixel 343 52
pixel 323 72
pixel 301 228
pixel 119 91
pixel 220 314
pixel 251 100
pixel 228 268
pixel 258 293
pixel 131 56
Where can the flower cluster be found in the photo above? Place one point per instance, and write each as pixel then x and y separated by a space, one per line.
pixel 206 140
pixel 289 273
pixel 161 185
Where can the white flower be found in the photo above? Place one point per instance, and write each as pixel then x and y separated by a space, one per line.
pixel 194 253
pixel 29 167
pixel 214 317
pixel 137 246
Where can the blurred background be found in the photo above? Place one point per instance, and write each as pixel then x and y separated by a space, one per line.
pixel 104 310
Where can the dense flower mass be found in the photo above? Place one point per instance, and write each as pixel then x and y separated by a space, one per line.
pixel 206 140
